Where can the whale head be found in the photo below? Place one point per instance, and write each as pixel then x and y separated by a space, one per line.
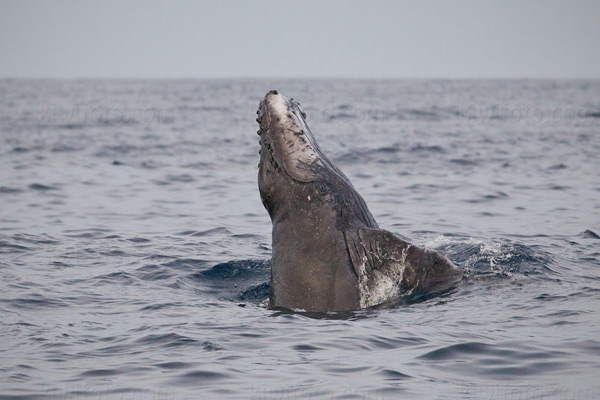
pixel 289 155
pixel 292 164
pixel 287 144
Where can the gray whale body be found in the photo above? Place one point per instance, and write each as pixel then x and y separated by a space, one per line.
pixel 329 254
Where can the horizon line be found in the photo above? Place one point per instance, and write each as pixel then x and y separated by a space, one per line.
pixel 240 77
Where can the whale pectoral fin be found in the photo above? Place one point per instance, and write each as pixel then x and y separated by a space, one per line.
pixel 376 254
pixel 379 255
pixel 386 252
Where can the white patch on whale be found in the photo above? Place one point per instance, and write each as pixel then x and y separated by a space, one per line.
pixel 381 286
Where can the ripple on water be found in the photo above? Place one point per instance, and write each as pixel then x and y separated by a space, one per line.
pixel 503 361
pixel 166 340
pixel 200 378
pixel 456 350
pixel 208 232
pixel 9 190
pixel 393 375
pixel 101 373
pixel 117 277
pixel 41 187
pixel 174 365
pixel 34 301
pixel 152 272
pixel 306 348
pixel 244 280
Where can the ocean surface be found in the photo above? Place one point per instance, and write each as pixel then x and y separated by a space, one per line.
pixel 135 251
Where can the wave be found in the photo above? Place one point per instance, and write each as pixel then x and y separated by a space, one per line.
pixel 243 280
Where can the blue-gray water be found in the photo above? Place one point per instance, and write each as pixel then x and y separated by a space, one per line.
pixel 134 249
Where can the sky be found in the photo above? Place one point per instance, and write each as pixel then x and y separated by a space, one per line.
pixel 299 39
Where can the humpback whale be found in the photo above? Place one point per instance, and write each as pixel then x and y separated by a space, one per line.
pixel 329 254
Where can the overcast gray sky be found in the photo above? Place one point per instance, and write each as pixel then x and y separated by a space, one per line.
pixel 194 39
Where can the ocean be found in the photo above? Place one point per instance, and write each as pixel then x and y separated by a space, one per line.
pixel 135 251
